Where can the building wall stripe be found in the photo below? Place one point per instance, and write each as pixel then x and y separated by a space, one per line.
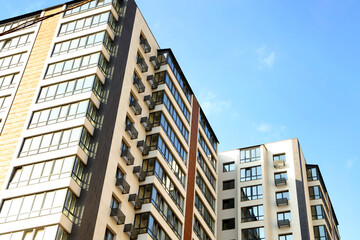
pixel 190 190
pixel 25 93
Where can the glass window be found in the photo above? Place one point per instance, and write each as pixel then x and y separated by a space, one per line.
pixel 228 203
pixel 249 155
pixel 251 193
pixel 282 195
pixel 315 192
pixel 321 233
pixel 108 235
pixel 253 213
pixel 317 212
pixel 230 184
pixel 312 174
pixel 286 237
pixel 228 224
pixel 279 157
pixel 229 167
pixel 8 81
pixel 251 173
pixel 284 216
pixel 253 234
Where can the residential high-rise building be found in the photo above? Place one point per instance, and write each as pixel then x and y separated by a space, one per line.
pixel 270 192
pixel 101 137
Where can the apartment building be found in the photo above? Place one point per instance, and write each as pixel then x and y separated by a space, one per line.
pixel 270 192
pixel 101 134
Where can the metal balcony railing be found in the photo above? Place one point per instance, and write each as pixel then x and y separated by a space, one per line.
pixel 149 101
pixel 143 147
pixel 135 107
pixel 131 130
pixel 282 201
pixel 127 156
pixel 145 45
pixel 139 172
pixel 142 64
pixel 131 231
pixel 284 223
pixel 280 181
pixel 123 185
pixel 135 201
pixel 139 85
pixel 152 82
pixel 145 121
pixel 118 216
pixel 155 62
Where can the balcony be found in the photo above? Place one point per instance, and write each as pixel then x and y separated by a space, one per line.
pixel 135 201
pixel 135 107
pixel 284 223
pixel 139 85
pixel 280 181
pixel 142 64
pixel 131 231
pixel 139 172
pixel 123 185
pixel 127 156
pixel 155 62
pixel 131 130
pixel 143 147
pixel 145 121
pixel 118 216
pixel 145 45
pixel 279 163
pixel 282 201
pixel 149 101
pixel 152 82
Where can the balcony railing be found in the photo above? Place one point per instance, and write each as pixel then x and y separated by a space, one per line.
pixel 135 201
pixel 131 130
pixel 152 82
pixel 135 107
pixel 127 156
pixel 123 185
pixel 143 147
pixel 118 216
pixel 149 101
pixel 131 231
pixel 280 181
pixel 279 163
pixel 155 62
pixel 145 121
pixel 142 64
pixel 282 201
pixel 139 85
pixel 139 172
pixel 145 45
pixel 284 223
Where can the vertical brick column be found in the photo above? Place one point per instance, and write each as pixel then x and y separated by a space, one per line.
pixel 25 93
pixel 190 190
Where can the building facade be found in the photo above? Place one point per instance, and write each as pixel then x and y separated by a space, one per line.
pixel 101 135
pixel 270 192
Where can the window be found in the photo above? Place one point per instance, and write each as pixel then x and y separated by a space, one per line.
pixel 64 113
pixel 7 26
pixel 286 237
pixel 250 155
pixel 8 81
pixel 253 213
pixel 251 193
pixel 279 157
pixel 15 42
pixel 109 235
pixel 280 178
pixel 312 174
pixel 90 5
pixel 55 141
pixel 315 192
pixel 228 203
pixel 228 224
pixel 12 61
pixel 69 88
pixel 52 232
pixel 87 23
pixel 208 131
pixel 48 171
pixel 145 223
pixel 229 167
pixel 317 212
pixel 206 170
pixel 284 216
pixel 204 213
pixel 321 233
pixel 199 230
pixel 253 234
pixel 205 190
pixel 251 173
pixel 282 195
pixel 228 184
pixel 77 64
pixel 82 43
pixel 5 102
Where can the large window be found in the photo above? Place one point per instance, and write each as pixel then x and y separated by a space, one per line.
pixel 251 193
pixel 282 195
pixel 253 213
pixel 55 141
pixel 199 230
pixel 82 43
pixel 9 25
pixel 205 190
pixel 207 129
pixel 250 155
pixel 279 157
pixel 253 234
pixel 48 171
pixel 315 192
pixel 230 184
pixel 321 233
pixel 284 216
pixel 5 102
pixel 109 235
pixel 206 170
pixel 69 88
pixel 15 42
pixel 91 5
pixel 12 61
pixel 51 232
pixel 204 213
pixel 87 23
pixel 286 237
pixel 77 64
pixel 251 173
pixel 145 223
pixel 317 212
pixel 229 167
pixel 228 203
pixel 64 113
pixel 312 174
pixel 37 205
pixel 228 224
pixel 8 80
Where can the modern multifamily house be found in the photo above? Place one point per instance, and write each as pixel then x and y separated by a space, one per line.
pixel 101 136
pixel 270 192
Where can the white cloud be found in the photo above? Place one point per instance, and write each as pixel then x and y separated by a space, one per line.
pixel 264 127
pixel 213 104
pixel 350 162
pixel 265 58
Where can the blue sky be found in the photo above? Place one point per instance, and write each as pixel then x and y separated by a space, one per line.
pixel 271 70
